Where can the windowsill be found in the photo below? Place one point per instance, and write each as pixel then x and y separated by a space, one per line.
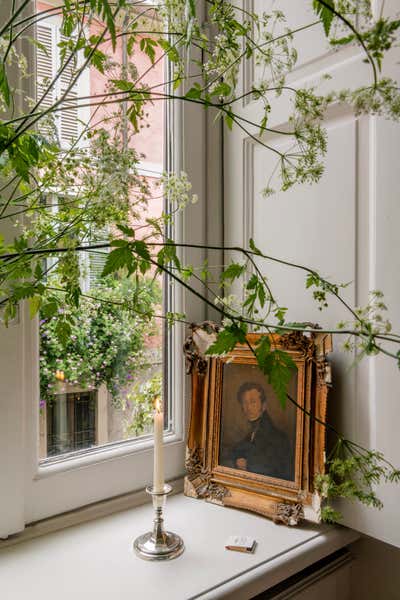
pixel 95 559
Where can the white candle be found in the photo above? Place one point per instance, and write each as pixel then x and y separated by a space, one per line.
pixel 158 474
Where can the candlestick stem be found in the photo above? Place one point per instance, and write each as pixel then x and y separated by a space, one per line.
pixel 158 544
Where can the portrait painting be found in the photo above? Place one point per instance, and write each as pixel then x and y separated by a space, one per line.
pixel 246 450
pixel 257 435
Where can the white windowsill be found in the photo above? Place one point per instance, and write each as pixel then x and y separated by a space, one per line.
pixel 95 559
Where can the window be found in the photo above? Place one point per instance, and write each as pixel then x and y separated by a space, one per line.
pixel 110 352
pixel 32 490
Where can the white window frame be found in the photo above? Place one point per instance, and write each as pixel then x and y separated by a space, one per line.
pixel 31 492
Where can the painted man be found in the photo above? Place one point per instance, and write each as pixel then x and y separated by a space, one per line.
pixel 265 449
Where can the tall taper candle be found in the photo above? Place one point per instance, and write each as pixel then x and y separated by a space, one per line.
pixel 158 474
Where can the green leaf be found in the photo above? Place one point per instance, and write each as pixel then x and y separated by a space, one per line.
pixel 325 14
pixel 126 230
pixel 330 515
pixel 191 7
pixel 194 92
pixel 123 85
pixel 118 243
pixel 280 374
pixel 38 44
pixel 50 308
pixel 263 349
pixel 342 41
pixel 141 248
pixel 24 291
pixel 4 87
pixel 63 331
pixel 232 272
pixel 278 366
pixel 311 280
pixel 167 254
pixel 252 283
pixel 229 119
pixel 261 294
pixel 222 89
pixel 68 24
pixel 253 247
pixel 171 51
pixel 117 259
pixel 130 44
pixel 38 272
pixel 34 305
pixel 280 313
pixel 98 59
pixel 227 339
pixel 147 46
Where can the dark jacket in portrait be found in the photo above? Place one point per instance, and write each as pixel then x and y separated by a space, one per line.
pixel 266 449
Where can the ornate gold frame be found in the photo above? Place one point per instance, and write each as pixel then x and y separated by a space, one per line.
pixel 284 501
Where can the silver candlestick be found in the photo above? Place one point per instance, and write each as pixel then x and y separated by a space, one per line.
pixel 158 544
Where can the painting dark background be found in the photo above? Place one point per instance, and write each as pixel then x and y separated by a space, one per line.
pixel 234 425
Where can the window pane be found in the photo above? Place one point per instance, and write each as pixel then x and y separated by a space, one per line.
pixel 101 363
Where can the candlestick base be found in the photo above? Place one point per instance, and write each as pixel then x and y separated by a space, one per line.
pixel 158 544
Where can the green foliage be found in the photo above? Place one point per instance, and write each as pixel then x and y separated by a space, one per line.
pixel 227 339
pixel 232 272
pixel 101 341
pixel 167 256
pixel 4 87
pixel 323 11
pixel 379 39
pixel 277 365
pixel 324 287
pixel 352 474
pixel 369 323
pixel 330 515
pixel 255 292
pixel 134 256
pixel 140 402
pixel 148 45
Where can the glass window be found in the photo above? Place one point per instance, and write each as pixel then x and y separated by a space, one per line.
pixel 101 363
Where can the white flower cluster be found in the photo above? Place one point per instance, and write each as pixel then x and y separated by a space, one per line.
pixel 177 189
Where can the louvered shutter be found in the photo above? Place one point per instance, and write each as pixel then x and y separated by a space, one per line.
pixel 69 123
pixel 98 259
pixel 48 64
pixel 45 69
pixel 95 260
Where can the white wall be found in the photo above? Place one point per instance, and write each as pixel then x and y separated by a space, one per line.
pixel 346 226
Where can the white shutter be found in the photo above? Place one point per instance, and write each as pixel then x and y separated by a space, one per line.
pixel 44 62
pixel 48 64
pixel 93 262
pixel 69 124
pixel 97 259
pixel 45 68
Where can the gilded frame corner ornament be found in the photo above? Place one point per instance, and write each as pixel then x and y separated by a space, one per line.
pixel 282 501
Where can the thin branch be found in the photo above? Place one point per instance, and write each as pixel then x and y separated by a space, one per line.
pixel 350 25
